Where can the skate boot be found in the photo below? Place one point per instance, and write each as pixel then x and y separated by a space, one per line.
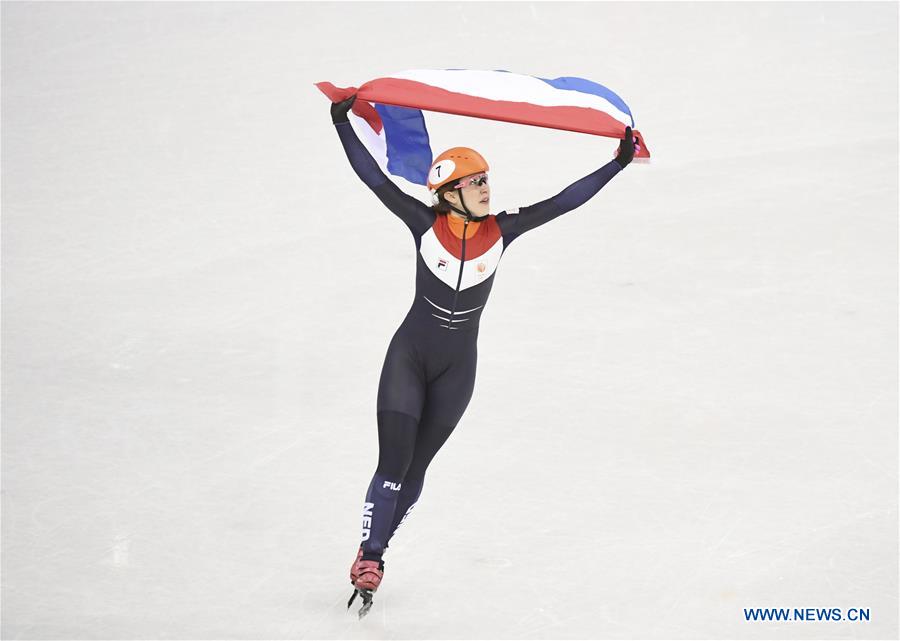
pixel 370 574
pixel 354 569
pixel 368 578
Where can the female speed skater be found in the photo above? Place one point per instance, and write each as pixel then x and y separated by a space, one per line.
pixel 428 374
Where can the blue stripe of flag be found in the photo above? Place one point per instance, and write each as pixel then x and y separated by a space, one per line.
pixel 408 146
pixel 571 83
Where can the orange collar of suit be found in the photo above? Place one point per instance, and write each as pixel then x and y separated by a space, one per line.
pixel 457 225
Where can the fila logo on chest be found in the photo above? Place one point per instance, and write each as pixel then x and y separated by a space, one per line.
pixel 445 266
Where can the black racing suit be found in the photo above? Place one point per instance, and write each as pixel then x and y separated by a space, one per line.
pixel 429 370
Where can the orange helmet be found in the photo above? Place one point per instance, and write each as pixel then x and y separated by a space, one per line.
pixel 453 164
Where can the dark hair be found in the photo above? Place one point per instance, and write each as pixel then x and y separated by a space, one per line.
pixel 443 206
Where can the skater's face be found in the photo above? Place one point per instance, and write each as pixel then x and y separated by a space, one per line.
pixel 477 195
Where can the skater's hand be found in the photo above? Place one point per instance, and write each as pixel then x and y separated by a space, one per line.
pixel 626 149
pixel 339 110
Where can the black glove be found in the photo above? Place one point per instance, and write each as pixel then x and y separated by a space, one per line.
pixel 626 149
pixel 339 110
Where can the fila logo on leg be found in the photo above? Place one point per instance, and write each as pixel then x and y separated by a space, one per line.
pixel 392 486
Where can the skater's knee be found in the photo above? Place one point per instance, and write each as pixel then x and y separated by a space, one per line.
pixel 390 478
pixel 413 476
pixel 393 467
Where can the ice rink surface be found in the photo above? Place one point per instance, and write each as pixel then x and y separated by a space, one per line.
pixel 686 402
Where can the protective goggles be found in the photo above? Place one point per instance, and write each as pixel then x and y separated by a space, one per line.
pixel 476 179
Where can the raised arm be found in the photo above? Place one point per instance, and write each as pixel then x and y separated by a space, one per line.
pixel 572 197
pixel 416 214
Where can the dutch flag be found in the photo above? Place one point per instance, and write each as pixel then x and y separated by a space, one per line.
pixel 388 118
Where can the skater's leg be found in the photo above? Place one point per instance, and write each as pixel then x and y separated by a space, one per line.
pixel 401 396
pixel 396 443
pixel 447 396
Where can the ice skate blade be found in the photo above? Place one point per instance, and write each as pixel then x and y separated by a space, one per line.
pixel 367 602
